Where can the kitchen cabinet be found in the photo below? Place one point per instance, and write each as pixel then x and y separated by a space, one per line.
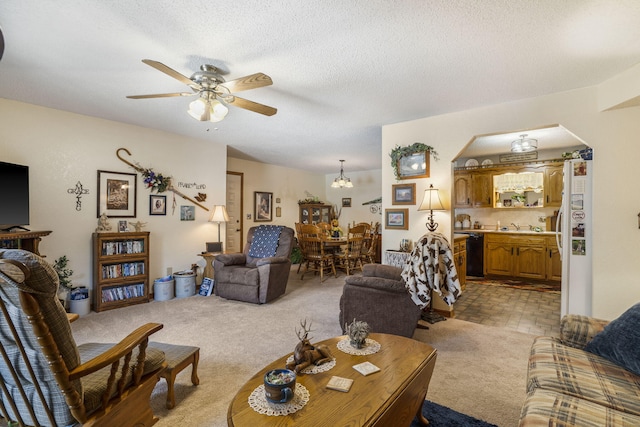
pixel 526 256
pixel 460 258
pixel 553 185
pixel 475 188
pixel 313 213
pixel 472 189
pixel 482 189
pixel 554 263
pixel 515 255
pixel 462 190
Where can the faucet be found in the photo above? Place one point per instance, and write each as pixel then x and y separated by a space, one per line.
pixel 516 226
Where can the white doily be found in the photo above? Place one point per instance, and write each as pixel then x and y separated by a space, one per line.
pixel 370 347
pixel 313 369
pixel 259 403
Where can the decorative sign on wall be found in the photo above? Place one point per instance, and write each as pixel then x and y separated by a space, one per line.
pixel 518 157
pixel 79 190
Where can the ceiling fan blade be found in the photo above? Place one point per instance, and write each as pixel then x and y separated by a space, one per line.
pixel 250 105
pixel 162 95
pixel 248 82
pixel 172 73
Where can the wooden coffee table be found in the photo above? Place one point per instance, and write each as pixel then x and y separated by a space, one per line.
pixel 393 396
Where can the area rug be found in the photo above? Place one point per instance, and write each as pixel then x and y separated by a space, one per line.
pixel 517 284
pixel 441 416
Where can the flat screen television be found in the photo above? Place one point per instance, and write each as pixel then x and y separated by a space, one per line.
pixel 14 196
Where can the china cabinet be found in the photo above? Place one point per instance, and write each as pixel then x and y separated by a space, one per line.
pixel 313 213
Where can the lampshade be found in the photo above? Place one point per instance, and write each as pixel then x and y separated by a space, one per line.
pixel 207 109
pixel 342 181
pixel 524 144
pixel 431 202
pixel 219 214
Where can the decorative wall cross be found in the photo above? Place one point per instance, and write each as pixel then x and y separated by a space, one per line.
pixel 78 191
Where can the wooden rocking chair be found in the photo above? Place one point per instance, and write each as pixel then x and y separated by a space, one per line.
pixel 45 379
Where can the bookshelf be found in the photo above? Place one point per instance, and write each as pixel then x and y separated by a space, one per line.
pixel 120 269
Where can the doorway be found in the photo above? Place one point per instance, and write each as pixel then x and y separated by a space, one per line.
pixel 234 229
pixel 483 155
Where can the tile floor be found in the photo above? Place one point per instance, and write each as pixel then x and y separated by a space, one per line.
pixel 532 312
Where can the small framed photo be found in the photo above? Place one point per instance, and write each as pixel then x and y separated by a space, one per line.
pixel 414 165
pixel 157 205
pixel 397 219
pixel 263 206
pixel 122 226
pixel 187 213
pixel 346 202
pixel 116 194
pixel 404 194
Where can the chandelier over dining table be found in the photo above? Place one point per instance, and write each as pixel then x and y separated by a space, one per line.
pixel 342 181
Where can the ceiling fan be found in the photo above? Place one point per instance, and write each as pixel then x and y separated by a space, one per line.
pixel 213 92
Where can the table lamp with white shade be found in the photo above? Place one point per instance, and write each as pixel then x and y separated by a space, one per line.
pixel 218 216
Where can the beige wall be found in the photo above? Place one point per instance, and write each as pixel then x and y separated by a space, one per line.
pixel 612 134
pixel 61 149
pixel 291 185
pixel 367 186
pixel 287 184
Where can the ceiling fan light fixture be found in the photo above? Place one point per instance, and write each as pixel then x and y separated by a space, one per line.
pixel 207 110
pixel 524 144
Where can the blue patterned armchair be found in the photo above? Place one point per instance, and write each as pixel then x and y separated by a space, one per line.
pixel 260 273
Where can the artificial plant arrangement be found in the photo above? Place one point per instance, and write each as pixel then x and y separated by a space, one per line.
pixel 417 147
pixel 64 273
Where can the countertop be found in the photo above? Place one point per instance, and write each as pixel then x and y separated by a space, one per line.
pixel 510 231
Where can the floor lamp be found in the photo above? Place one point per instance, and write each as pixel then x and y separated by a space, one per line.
pixel 431 202
pixel 218 216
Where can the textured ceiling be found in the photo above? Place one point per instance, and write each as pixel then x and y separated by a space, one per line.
pixel 341 69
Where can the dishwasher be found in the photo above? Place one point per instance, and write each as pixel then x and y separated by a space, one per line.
pixel 475 255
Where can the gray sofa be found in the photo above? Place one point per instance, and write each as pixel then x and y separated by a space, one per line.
pixel 587 377
pixel 240 276
pixel 379 298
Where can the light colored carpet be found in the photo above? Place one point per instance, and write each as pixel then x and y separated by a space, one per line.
pixel 480 370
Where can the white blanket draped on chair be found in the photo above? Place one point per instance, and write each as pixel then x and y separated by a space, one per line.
pixel 431 268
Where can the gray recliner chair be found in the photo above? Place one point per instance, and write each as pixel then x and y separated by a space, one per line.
pixel 260 273
pixel 379 298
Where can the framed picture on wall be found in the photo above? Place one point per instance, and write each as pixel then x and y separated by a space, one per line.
pixel 415 165
pixel 187 213
pixel 116 194
pixel 404 194
pixel 396 219
pixel 157 205
pixel 346 202
pixel 263 206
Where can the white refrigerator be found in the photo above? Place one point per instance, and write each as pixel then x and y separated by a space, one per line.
pixel 575 236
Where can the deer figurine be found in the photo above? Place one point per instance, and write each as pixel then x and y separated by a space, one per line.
pixel 306 354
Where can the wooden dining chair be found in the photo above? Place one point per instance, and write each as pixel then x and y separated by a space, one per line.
pixel 325 227
pixel 349 258
pixel 369 247
pixel 311 240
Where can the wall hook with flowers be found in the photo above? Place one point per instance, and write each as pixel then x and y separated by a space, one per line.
pixel 156 181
